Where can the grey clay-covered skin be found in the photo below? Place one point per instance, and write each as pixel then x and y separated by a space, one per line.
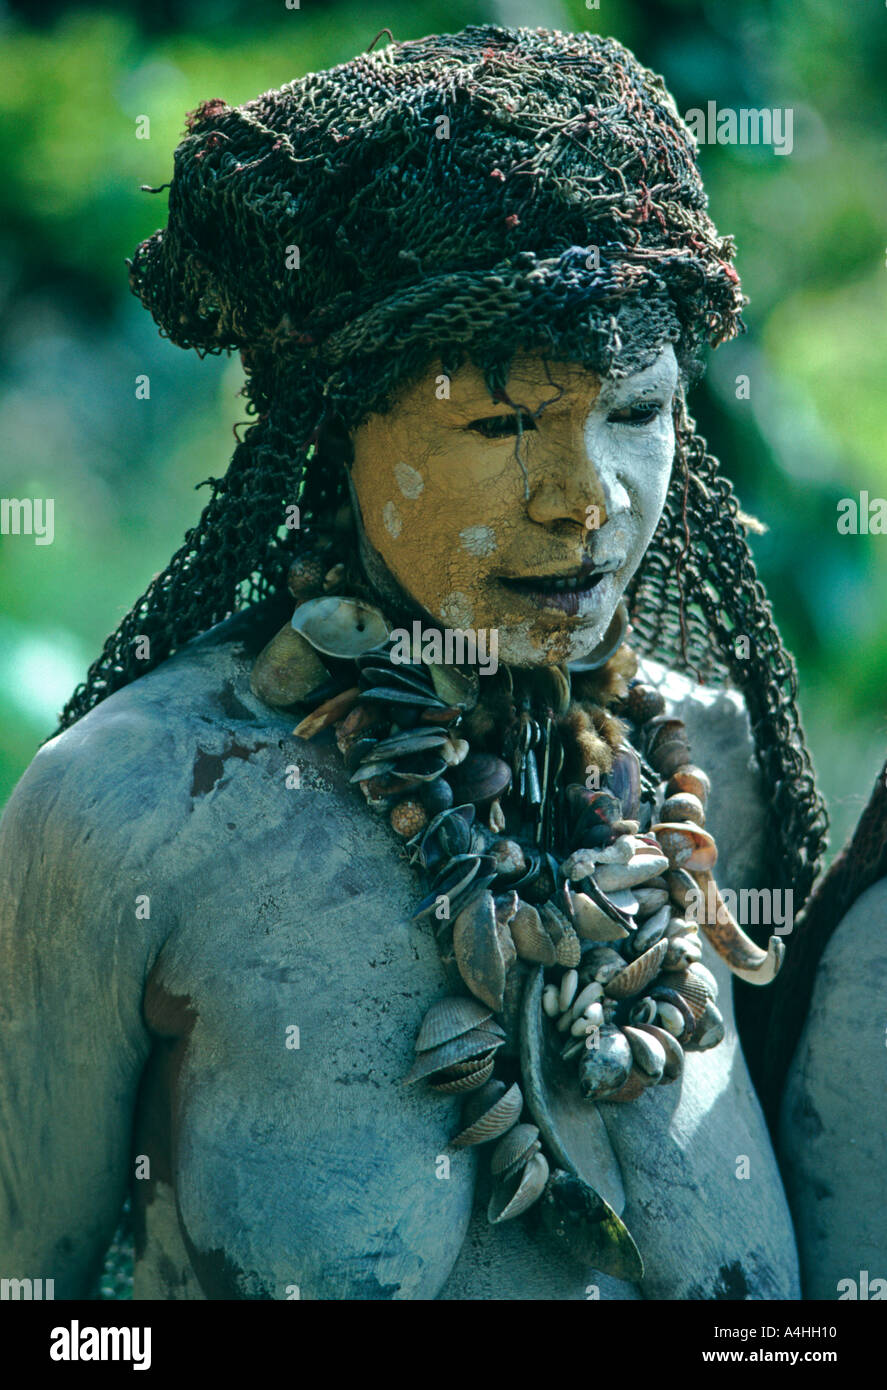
pixel 273 1167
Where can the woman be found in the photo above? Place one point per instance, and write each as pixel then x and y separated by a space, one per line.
pixel 470 279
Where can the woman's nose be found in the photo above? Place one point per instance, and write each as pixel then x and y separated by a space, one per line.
pixel 568 485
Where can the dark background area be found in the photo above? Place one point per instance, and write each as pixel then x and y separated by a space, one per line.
pixel 810 227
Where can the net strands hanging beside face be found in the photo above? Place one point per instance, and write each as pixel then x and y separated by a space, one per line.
pixel 457 197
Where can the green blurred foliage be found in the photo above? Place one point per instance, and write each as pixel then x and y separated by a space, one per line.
pixel 810 231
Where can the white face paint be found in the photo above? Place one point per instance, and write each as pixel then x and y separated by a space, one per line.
pixel 632 462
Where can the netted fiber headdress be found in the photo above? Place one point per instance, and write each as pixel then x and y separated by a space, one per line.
pixel 461 196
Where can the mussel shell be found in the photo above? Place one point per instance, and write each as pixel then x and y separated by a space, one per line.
pixel 408 741
pixel 436 796
pixel 454 687
pixel 417 768
pixel 398 695
pixel 398 678
pixel 340 627
pixel 625 781
pixel 585 1226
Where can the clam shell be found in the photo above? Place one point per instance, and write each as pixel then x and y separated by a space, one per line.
pixel 340 627
pixel 567 947
pixel 636 977
pixel 531 940
pixel 647 1051
pixel 641 867
pixel 674 1053
pixel 483 949
pixel 590 921
pixel 286 670
pixel 695 990
pixel 652 931
pixel 650 901
pixel 480 777
pixel 471 1082
pixel 517 1194
pixel 498 1111
pixel 473 1045
pixel 600 963
pixel 450 1018
pixel 515 1147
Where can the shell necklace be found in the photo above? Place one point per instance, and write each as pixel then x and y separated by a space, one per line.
pixel 559 822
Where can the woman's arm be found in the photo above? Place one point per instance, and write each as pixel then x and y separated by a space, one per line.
pixel 75 946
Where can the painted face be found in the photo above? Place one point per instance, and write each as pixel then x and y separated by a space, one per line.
pixel 527 518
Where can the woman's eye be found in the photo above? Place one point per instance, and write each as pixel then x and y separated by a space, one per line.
pixel 635 414
pixel 500 426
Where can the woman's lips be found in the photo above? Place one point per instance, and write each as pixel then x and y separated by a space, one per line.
pixel 563 592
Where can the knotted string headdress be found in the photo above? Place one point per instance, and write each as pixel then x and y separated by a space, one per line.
pixel 461 196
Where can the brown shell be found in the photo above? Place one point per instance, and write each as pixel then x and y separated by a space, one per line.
pixel 517 1194
pixel 689 778
pixel 457 1085
pixel 287 670
pixel 474 1044
pixel 530 937
pixel 567 946
pixel 686 845
pixel 644 703
pixel 683 806
pixel 637 976
pixel 494 1121
pixel 483 949
pixel 450 1018
pixel 668 755
pixel 512 1148
pixel 690 987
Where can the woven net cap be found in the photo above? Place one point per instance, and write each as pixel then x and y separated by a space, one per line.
pixel 458 197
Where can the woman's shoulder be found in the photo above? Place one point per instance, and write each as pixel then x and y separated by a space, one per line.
pixel 128 776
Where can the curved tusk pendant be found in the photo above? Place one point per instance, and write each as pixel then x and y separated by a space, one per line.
pixel 743 956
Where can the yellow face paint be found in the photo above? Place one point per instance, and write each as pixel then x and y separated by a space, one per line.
pixel 535 533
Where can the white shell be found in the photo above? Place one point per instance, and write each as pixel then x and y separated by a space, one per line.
pixel 341 627
pixel 569 985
